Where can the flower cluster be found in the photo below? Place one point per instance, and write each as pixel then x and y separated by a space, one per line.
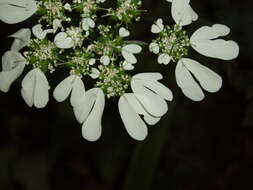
pixel 71 35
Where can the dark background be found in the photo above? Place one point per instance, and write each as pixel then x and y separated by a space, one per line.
pixel 206 145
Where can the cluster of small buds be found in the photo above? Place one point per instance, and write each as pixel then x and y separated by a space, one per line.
pixel 127 11
pixel 52 10
pixel 104 29
pixel 113 80
pixel 76 34
pixel 87 8
pixel 173 41
pixel 80 62
pixel 42 54
pixel 108 44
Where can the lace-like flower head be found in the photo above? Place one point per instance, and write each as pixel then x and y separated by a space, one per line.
pixel 173 43
pixel 71 35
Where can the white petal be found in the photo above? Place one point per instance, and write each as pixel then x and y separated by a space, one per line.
pixel 92 127
pixel 127 66
pixel 209 33
pixel 123 32
pixel 35 89
pixel 56 24
pixel 154 48
pixel 204 41
pixel 94 73
pixel 13 64
pixel 221 49
pixel 78 91
pixel 87 23
pixel 132 48
pixel 105 59
pixel 38 32
pixel 129 57
pixel 62 90
pixel 62 40
pixel 159 89
pixel 138 108
pixel 148 76
pixel 21 39
pixel 154 104
pixel 134 125
pixel 208 79
pixel 164 59
pixel 83 110
pixel 157 27
pixel 182 12
pixel 186 82
pixel 151 120
pixel 15 11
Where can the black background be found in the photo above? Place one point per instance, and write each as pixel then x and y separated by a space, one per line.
pixel 206 145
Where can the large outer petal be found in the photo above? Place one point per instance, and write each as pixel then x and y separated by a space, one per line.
pixel 78 91
pixel 204 41
pixel 13 64
pixel 138 108
pixel 153 103
pixel 209 80
pixel 83 110
pixel 15 11
pixel 134 125
pixel 21 39
pixel 149 80
pixel 63 89
pixel 35 89
pixel 92 127
pixel 186 82
pixel 182 12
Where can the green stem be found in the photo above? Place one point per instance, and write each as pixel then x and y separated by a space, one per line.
pixel 146 156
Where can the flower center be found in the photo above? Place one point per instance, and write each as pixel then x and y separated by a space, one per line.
pixel 127 10
pixel 76 35
pixel 174 42
pixel 51 10
pixel 113 80
pixel 42 54
pixel 80 62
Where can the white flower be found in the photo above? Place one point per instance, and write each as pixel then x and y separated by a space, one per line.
pixel 154 47
pixel 13 64
pixel 205 41
pixel 92 61
pixel 158 26
pixel 164 59
pixel 123 32
pixel 15 11
pixel 127 66
pixel 35 89
pixel 105 60
pixel 21 39
pixel 182 12
pixel 67 6
pixel 128 52
pixel 39 33
pixel 72 84
pixel 89 113
pixel 148 99
pixel 94 73
pixel 208 80
pixel 87 23
pixel 72 38
pixel 62 40
pixel 57 24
